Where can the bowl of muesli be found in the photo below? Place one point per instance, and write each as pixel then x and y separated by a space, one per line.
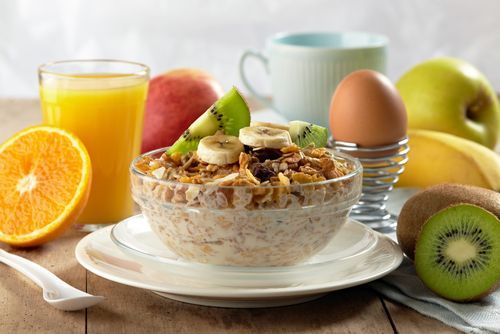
pixel 238 193
pixel 271 207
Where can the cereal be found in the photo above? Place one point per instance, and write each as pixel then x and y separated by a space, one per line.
pixel 250 177
pixel 176 157
pixel 244 160
pixel 192 193
pixel 267 209
pixel 212 168
pixel 154 164
pixel 254 166
pixel 283 179
pixel 291 148
pixel 302 177
pixel 158 173
pixel 317 152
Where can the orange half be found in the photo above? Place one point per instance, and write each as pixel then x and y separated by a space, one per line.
pixel 45 175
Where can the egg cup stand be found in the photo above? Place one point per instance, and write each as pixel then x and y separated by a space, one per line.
pixel 382 166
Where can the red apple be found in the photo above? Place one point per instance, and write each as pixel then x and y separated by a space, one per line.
pixel 175 100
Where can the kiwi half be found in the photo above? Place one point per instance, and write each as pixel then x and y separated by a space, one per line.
pixel 304 134
pixel 228 114
pixel 421 206
pixel 458 251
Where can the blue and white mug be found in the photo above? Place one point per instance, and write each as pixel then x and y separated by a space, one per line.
pixel 305 69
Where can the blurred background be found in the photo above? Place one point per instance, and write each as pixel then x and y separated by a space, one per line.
pixel 211 34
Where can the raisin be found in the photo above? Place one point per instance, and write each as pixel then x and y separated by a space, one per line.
pixel 247 149
pixel 262 172
pixel 267 154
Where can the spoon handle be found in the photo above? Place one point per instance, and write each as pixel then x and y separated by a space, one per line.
pixel 41 276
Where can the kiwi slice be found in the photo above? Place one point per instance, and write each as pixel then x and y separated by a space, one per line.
pixel 458 251
pixel 304 134
pixel 228 114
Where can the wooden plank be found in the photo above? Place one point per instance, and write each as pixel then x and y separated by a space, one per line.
pixel 408 321
pixel 16 114
pixel 131 310
pixel 22 308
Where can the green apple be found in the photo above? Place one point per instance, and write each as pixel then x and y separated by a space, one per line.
pixel 451 95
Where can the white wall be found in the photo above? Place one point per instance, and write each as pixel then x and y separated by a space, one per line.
pixel 211 34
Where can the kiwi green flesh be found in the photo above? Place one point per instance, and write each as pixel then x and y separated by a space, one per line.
pixel 228 114
pixel 457 253
pixel 304 134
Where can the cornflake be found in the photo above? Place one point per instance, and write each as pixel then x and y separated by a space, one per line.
pixel 159 172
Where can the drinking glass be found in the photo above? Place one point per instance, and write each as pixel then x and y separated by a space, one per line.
pixel 102 102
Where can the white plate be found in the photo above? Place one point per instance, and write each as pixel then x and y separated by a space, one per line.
pixel 98 254
pixel 135 237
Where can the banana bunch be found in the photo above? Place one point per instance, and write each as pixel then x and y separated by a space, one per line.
pixel 437 157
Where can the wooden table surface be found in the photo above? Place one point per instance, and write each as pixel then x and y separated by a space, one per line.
pixel 132 310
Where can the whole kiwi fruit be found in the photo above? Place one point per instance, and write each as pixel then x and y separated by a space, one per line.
pixel 421 206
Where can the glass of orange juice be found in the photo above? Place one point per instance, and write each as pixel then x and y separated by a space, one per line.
pixel 102 102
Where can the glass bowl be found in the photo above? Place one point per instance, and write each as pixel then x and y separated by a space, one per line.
pixel 353 243
pixel 247 226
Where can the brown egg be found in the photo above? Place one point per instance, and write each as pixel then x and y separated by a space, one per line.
pixel 366 109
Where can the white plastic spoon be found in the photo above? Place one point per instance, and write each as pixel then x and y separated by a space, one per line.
pixel 56 292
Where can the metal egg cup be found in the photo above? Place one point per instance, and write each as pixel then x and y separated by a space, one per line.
pixel 381 172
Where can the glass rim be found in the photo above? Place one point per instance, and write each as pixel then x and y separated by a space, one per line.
pixel 358 169
pixel 143 70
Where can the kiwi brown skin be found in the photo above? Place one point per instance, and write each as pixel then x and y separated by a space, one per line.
pixel 429 201
pixel 483 295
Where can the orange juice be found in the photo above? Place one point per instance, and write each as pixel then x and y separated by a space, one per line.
pixel 106 112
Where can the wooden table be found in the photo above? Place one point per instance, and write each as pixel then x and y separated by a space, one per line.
pixel 131 310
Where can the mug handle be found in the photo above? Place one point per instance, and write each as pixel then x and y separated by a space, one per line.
pixel 263 59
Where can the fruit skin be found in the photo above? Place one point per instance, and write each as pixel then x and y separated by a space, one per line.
pixel 473 283
pixel 175 99
pixel 73 209
pixel 228 114
pixel 437 157
pixel 427 202
pixel 304 134
pixel 450 95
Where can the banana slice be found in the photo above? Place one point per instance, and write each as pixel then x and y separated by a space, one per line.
pixel 262 136
pixel 271 125
pixel 219 149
